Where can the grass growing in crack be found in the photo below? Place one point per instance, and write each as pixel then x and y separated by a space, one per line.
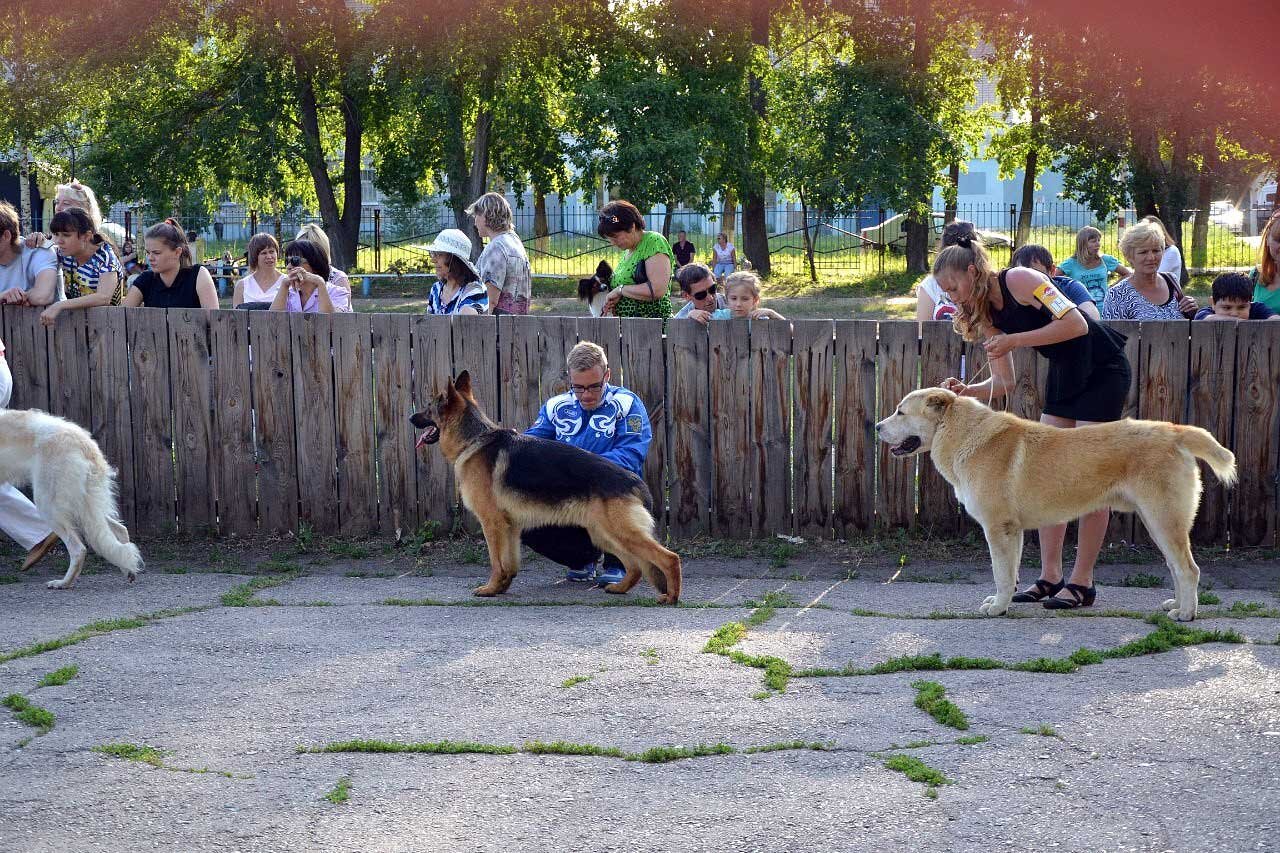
pixel 10 579
pixel 341 791
pixel 650 656
pixel 155 757
pixel 931 697
pixel 27 713
pixel 245 595
pixel 59 677
pixel 350 550
pixel 1043 730
pixel 724 638
pixel 279 564
pixel 363 574
pixel 95 629
pixel 781 554
pixel 917 771
pixel 1252 608
pixel 653 755
pixel 1143 580
pixel 516 602
pixel 573 680
pixel 1207 597
pixel 969 740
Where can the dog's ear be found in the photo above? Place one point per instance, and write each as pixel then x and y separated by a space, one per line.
pixel 604 271
pixel 463 383
pixel 939 399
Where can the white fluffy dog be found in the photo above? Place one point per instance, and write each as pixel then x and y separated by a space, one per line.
pixel 72 487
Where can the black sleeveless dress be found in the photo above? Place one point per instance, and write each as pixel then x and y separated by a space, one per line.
pixel 1088 376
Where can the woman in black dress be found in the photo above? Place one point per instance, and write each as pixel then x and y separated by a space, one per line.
pixel 1087 383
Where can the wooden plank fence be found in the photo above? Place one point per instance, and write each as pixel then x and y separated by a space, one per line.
pixel 244 422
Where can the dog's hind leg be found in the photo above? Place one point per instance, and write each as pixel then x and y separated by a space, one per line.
pixel 77 551
pixel 1005 541
pixel 1172 537
pixel 630 579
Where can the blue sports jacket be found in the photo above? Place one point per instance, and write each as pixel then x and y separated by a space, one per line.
pixel 618 429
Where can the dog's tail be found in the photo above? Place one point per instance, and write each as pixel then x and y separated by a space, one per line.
pixel 101 524
pixel 1201 444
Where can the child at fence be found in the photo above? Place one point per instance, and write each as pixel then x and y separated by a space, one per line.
pixel 1231 299
pixel 742 294
pixel 1090 267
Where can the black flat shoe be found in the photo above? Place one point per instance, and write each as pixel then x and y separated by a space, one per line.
pixel 1043 589
pixel 1081 596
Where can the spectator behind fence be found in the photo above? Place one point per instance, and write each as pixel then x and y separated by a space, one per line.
pixel 306 288
pixel 503 264
pixel 172 279
pixel 642 279
pixel 1036 257
pixel 1090 267
pixel 1147 294
pixel 742 295
pixel 1266 275
pixel 90 268
pixel 698 287
pixel 264 280
pixel 1171 259
pixel 129 259
pixel 67 196
pixel 27 276
pixel 724 256
pixel 683 250
pixel 1230 300
pixel 931 302
pixel 457 288
pixel 313 233
pixel 1088 381
pixel 607 420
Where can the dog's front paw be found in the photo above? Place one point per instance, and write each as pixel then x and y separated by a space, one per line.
pixel 1169 604
pixel 1178 616
pixel 59 584
pixel 487 591
pixel 992 606
pixel 616 589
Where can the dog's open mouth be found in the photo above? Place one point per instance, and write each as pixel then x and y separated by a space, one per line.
pixel 908 445
pixel 430 435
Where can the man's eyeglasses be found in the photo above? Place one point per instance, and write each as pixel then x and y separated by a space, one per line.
pixel 579 390
pixel 703 294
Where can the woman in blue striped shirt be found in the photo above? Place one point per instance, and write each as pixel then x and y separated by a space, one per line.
pixel 458 289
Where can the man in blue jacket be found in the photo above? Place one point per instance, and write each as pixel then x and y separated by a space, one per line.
pixel 607 420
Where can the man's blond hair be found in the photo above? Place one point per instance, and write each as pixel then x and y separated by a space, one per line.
pixel 585 356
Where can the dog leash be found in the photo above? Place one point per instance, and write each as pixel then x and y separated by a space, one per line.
pixel 991 391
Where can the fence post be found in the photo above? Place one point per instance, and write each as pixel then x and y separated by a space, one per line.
pixel 253 222
pixel 882 241
pixel 377 238
pixel 1013 230
pixel 128 222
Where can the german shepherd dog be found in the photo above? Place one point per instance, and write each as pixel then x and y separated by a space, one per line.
pixel 512 482
pixel 595 290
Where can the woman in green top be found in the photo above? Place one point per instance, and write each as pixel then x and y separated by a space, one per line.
pixel 643 276
pixel 1266 275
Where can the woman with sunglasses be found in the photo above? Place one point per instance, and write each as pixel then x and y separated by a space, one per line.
pixel 306 288
pixel 698 287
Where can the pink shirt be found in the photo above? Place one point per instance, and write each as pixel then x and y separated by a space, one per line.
pixel 339 296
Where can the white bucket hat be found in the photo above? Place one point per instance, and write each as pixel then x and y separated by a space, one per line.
pixel 451 241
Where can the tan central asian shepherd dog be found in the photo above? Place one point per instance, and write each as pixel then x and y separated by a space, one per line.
pixel 1013 475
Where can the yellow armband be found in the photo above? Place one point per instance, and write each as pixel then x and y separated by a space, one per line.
pixel 1057 303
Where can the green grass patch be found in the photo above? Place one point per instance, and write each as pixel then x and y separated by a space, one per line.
pixel 28 713
pixel 439 747
pixel 1143 580
pixel 812 746
pixel 10 579
pixel 781 554
pixel 341 791
pixel 245 595
pixel 931 697
pixel 970 740
pixel 1043 730
pixel 725 638
pixel 349 550
pixel 59 677
pixel 650 656
pixel 1252 608
pixel 95 629
pixel 1207 597
pixel 652 755
pixel 573 680
pixel 916 770
pixel 133 752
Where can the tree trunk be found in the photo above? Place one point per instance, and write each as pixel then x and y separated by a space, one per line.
pixel 952 194
pixel 344 234
pixel 1200 230
pixel 808 244
pixel 540 229
pixel 24 192
pixel 1028 197
pixel 313 154
pixel 729 217
pixel 455 166
pixel 755 233
pixel 478 181
pixel 917 227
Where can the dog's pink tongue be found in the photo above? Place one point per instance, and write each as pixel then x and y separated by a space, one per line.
pixel 422 439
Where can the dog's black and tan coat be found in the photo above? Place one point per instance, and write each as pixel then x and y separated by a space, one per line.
pixel 512 482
